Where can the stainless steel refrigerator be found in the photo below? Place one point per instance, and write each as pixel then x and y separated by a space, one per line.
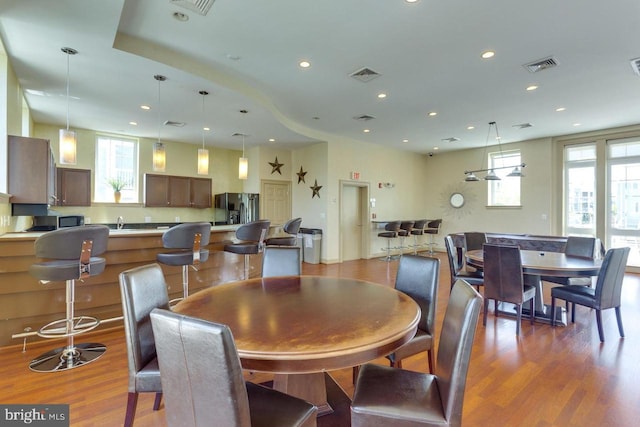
pixel 237 208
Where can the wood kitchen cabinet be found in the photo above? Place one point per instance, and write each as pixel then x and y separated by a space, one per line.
pixel 73 187
pixel 176 191
pixel 31 170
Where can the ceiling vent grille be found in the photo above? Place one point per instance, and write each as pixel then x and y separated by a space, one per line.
pixel 635 65
pixel 522 125
pixel 176 124
pixel 239 134
pixel 451 139
pixel 540 65
pixel 364 118
pixel 364 75
pixel 199 6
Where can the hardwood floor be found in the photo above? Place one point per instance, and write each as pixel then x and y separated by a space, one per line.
pixel 559 376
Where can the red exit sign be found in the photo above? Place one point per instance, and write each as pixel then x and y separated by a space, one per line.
pixel 355 176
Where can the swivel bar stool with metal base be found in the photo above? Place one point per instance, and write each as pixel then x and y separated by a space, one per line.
pixel 190 238
pixel 433 228
pixel 391 232
pixel 69 254
pixel 251 236
pixel 290 227
pixel 417 230
pixel 403 232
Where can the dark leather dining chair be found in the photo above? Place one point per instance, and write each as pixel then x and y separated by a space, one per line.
pixel 606 293
pixel 142 289
pixel 386 396
pixel 576 246
pixel 281 261
pixel 418 277
pixel 456 271
pixel 504 281
pixel 203 383
pixel 290 227
pixel 473 240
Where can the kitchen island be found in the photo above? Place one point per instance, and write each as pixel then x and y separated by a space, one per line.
pixel 26 304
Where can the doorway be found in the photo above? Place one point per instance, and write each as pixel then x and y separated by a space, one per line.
pixel 354 220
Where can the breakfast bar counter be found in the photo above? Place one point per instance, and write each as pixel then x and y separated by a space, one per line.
pixel 26 304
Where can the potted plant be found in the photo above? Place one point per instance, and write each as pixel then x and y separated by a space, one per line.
pixel 117 184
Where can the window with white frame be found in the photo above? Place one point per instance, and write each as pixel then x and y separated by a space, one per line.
pixel 116 160
pixel 506 191
pixel 580 190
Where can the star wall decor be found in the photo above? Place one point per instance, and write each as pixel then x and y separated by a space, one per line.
pixel 276 166
pixel 316 189
pixel 301 175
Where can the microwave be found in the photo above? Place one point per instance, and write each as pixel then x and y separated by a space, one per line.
pixel 52 222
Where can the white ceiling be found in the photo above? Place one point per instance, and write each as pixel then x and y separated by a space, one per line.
pixel 246 54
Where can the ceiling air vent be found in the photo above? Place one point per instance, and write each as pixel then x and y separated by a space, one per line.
pixel 522 125
pixel 635 65
pixel 176 124
pixel 199 6
pixel 364 118
pixel 451 139
pixel 364 75
pixel 239 134
pixel 541 64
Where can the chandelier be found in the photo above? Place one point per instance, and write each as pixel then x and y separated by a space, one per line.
pixel 470 175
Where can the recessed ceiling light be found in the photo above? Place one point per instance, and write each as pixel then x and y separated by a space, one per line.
pixel 179 16
pixel 470 127
pixel 133 123
pixel 305 64
pixel 432 114
pixel 488 54
pixel 411 1
pixel 145 107
pixel 560 109
pixel 206 128
pixel 532 87
pixel 382 95
pixel 405 140
pixel 577 124
pixel 272 140
pixel 366 131
pixel 436 148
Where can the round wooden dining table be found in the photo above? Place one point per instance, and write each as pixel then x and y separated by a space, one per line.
pixel 537 263
pixel 298 327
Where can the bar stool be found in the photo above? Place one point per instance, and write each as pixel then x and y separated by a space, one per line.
pixel 290 227
pixel 403 232
pixel 69 254
pixel 251 236
pixel 190 238
pixel 417 230
pixel 433 228
pixel 391 232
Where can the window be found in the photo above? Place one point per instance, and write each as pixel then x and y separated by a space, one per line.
pixel 579 190
pixel 116 158
pixel 506 191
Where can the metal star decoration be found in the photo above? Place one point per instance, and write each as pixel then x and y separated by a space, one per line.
pixel 276 166
pixel 316 189
pixel 301 175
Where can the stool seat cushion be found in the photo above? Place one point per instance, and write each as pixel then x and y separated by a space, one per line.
pixel 417 231
pixel 388 234
pixel 280 241
pixel 248 248
pixel 181 257
pixel 62 270
pixel 402 233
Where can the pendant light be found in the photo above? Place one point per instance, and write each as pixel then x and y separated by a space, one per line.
pixel 68 138
pixel 203 153
pixel 470 176
pixel 159 155
pixel 243 164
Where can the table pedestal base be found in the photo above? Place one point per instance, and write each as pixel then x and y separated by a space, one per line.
pixel 310 387
pixel 542 316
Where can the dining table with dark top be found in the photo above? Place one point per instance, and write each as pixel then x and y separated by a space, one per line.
pixel 299 327
pixel 541 263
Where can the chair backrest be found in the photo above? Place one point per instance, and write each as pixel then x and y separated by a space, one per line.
pixel 454 348
pixel 584 247
pixel 407 226
pixel 181 236
pixel 200 372
pixel 434 224
pixel 503 278
pixel 281 261
pixel 142 289
pixel 292 226
pixel 418 277
pixel 392 226
pixel 610 277
pixel 254 231
pixel 66 243
pixel 474 240
pixel 419 224
pixel 452 255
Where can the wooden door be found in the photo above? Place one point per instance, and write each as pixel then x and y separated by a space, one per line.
pixel 351 223
pixel 275 201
